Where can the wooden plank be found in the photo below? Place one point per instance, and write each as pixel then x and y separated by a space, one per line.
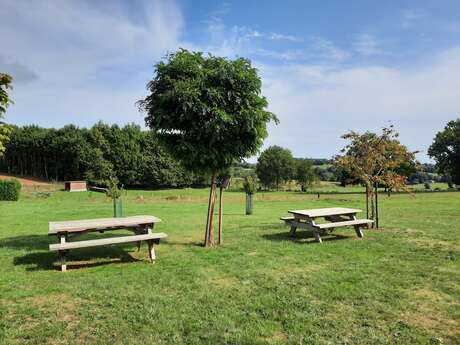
pixel 286 219
pixel 345 223
pixel 100 223
pixel 105 241
pixel 322 212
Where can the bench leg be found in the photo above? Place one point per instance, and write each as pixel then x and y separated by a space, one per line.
pixel 318 237
pixel 63 260
pixel 359 232
pixel 151 251
pixel 138 246
pixel 293 230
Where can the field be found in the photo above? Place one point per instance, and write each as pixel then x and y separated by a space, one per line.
pixel 398 285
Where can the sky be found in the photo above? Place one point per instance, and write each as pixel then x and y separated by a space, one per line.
pixel 327 67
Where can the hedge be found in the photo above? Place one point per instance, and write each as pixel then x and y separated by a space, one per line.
pixel 9 190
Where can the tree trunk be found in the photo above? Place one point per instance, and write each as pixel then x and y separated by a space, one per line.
pixel 221 207
pixel 209 231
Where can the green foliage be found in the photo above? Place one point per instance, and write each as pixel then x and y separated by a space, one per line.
pixel 207 110
pixel 275 166
pixel 9 190
pixel 250 184
pixel 5 84
pixel 113 191
pixel 5 101
pixel 133 156
pixel 304 173
pixel 446 150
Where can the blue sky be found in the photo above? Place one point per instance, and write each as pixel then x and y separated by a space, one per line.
pixel 327 66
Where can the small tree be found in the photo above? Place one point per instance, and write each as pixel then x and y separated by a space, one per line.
pixel 304 173
pixel 275 166
pixel 209 112
pixel 250 187
pixel 374 160
pixel 5 101
pixel 446 151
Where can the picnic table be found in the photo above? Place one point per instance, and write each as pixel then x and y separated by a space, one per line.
pixel 141 226
pixel 335 216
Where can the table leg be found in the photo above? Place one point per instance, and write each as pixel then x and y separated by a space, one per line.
pixel 63 260
pixel 318 237
pixel 151 251
pixel 358 231
pixel 293 230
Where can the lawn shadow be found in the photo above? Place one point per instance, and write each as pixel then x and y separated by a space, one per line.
pixel 39 258
pixel 81 258
pixel 302 237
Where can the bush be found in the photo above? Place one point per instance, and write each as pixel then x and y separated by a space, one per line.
pixel 427 186
pixel 9 190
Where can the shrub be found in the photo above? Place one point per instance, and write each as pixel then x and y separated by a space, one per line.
pixel 9 190
pixel 427 186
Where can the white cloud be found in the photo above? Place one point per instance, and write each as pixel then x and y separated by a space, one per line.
pixel 317 104
pixel 410 17
pixel 89 62
pixel 366 45
pixel 329 50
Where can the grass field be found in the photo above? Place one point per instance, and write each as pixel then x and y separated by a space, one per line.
pixel 398 285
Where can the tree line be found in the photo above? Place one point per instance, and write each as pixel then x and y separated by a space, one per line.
pixel 129 154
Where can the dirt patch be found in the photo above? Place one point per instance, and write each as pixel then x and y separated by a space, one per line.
pixel 26 181
pixel 428 312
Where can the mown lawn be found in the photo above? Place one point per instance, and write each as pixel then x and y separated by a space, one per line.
pixel 399 285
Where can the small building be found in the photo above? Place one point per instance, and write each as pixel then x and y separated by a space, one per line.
pixel 75 186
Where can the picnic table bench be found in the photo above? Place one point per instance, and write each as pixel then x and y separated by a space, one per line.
pixel 141 226
pixel 336 216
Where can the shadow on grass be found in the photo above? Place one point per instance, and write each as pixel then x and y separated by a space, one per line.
pixel 40 259
pixel 303 237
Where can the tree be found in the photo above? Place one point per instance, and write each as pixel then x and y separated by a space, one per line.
pixel 5 101
pixel 374 160
pixel 446 150
pixel 275 166
pixel 304 173
pixel 208 112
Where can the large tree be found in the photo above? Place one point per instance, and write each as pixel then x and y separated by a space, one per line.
pixel 5 101
pixel 275 166
pixel 209 113
pixel 304 173
pixel 446 150
pixel 375 160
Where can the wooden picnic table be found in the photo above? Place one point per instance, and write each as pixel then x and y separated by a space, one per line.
pixel 336 217
pixel 141 226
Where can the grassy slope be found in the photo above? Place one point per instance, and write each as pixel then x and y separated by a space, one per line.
pixel 399 285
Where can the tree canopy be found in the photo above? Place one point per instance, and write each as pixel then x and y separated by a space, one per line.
pixel 275 166
pixel 209 113
pixel 376 159
pixel 208 110
pixel 5 101
pixel 446 150
pixel 304 173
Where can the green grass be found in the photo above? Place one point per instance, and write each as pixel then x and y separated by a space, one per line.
pixel 399 285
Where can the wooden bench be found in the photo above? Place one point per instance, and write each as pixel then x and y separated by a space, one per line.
pixel 337 217
pixel 142 227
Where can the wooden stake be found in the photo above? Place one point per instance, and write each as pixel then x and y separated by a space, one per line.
pixel 208 219
pixel 221 205
pixel 211 219
pixel 376 207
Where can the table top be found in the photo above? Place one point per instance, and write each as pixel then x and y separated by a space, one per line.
pixel 324 212
pixel 99 223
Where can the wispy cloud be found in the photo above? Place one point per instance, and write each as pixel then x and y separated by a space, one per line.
pixel 366 45
pixel 329 50
pixel 410 17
